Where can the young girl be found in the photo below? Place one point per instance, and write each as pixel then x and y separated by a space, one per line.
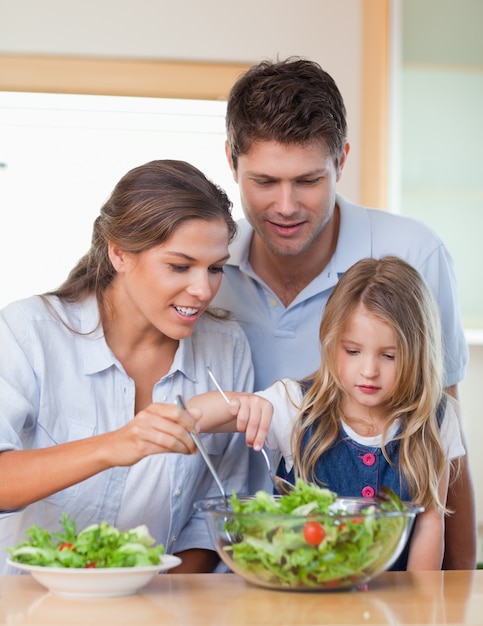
pixel 90 372
pixel 374 413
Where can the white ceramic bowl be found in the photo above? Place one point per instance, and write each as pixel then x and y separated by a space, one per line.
pixel 96 583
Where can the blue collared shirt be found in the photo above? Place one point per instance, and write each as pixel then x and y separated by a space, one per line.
pixel 57 385
pixel 285 340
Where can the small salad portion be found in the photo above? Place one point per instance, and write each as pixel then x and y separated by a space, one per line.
pixel 97 546
pixel 304 538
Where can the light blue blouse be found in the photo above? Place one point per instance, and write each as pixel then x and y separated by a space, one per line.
pixel 57 386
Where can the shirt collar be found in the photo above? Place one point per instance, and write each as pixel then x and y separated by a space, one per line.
pixel 355 240
pixel 98 356
pixel 353 243
pixel 240 246
pixel 184 359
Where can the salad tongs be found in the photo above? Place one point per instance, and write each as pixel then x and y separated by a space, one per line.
pixel 199 444
pixel 281 485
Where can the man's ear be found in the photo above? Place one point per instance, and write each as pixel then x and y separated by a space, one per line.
pixel 343 159
pixel 230 161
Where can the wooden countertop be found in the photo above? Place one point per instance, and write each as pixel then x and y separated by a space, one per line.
pixel 451 597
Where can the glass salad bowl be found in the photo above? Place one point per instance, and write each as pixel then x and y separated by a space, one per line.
pixel 309 539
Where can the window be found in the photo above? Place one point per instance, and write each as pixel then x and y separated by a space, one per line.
pixel 62 155
pixel 442 135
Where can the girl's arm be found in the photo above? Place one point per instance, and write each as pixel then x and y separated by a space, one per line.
pixel 246 413
pixel 427 545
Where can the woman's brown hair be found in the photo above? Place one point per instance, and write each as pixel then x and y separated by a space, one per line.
pixel 145 208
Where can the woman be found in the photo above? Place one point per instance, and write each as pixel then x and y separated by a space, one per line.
pixel 89 372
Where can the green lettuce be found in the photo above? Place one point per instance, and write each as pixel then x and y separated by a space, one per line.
pixel 276 551
pixel 98 545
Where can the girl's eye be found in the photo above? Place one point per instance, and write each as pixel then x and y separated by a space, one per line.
pixel 351 351
pixel 390 357
pixel 217 269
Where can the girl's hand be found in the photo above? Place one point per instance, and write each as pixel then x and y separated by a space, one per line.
pixel 253 417
pixel 157 428
pixel 244 413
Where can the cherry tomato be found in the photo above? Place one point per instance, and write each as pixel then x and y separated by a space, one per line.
pixel 90 565
pixel 65 546
pixel 314 533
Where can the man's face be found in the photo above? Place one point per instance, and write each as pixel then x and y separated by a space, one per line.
pixel 288 193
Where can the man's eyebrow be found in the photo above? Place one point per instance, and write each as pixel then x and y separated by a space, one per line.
pixel 310 174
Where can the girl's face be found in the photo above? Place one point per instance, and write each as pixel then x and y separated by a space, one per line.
pixel 169 286
pixel 366 363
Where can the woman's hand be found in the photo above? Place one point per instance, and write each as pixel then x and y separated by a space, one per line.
pixel 30 475
pixel 157 428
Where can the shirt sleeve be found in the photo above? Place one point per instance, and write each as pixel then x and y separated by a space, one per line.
pixel 18 384
pixel 438 270
pixel 286 397
pixel 451 430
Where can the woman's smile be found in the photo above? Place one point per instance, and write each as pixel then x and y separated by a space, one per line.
pixel 165 289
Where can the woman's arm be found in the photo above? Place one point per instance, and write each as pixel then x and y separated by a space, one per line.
pixel 30 475
pixel 427 544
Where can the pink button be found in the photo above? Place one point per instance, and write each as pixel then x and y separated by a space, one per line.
pixel 368 459
pixel 368 492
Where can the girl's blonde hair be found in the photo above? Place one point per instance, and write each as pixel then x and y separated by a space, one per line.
pixel 396 293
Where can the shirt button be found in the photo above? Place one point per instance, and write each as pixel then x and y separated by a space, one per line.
pixel 368 492
pixel 173 539
pixel 273 302
pixel 162 398
pixel 368 459
pixel 177 492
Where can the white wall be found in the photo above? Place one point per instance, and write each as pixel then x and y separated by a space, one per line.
pixel 328 31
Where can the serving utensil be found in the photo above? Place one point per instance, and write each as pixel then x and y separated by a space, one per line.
pixel 281 485
pixel 199 444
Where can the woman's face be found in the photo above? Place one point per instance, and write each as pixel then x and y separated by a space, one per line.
pixel 169 286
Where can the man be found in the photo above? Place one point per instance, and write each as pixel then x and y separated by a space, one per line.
pixel 287 147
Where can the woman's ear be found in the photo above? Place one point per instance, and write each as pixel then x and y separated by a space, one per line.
pixel 118 257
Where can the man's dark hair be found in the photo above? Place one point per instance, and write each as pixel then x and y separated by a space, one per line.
pixel 291 102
